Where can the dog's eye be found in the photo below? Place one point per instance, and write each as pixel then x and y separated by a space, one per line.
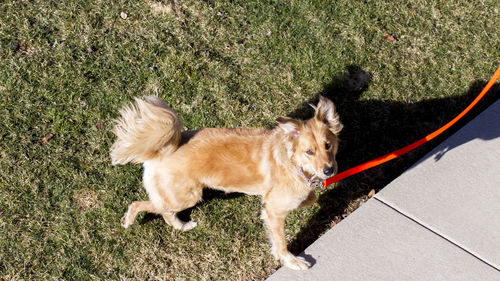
pixel 327 146
pixel 309 152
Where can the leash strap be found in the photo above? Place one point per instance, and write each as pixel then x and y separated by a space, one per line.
pixel 408 148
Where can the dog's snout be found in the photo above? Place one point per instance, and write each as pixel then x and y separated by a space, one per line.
pixel 328 171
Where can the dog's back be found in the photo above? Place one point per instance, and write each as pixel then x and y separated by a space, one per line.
pixel 220 158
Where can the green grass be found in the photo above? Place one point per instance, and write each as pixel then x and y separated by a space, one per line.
pixel 66 67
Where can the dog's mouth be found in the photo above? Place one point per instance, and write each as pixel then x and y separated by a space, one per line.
pixel 316 177
pixel 322 176
pixel 319 177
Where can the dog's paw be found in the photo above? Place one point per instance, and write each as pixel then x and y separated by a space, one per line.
pixel 189 225
pixel 124 221
pixel 296 263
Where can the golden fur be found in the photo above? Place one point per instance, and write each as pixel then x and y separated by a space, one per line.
pixel 274 164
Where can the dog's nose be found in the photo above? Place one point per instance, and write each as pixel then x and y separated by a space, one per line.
pixel 328 171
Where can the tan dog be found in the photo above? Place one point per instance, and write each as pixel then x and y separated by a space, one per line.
pixel 277 164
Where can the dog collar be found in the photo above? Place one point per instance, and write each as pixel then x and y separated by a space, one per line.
pixel 310 182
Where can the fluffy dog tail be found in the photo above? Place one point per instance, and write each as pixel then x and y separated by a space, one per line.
pixel 144 130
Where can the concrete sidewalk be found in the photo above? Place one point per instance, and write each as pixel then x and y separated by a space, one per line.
pixel 440 220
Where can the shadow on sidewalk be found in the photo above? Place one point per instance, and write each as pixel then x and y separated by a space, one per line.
pixel 373 128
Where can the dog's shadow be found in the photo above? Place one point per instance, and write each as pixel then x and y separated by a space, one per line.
pixel 374 128
pixel 185 215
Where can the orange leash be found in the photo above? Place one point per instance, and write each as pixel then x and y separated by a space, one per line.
pixel 406 149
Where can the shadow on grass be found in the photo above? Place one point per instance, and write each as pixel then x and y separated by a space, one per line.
pixel 185 215
pixel 374 128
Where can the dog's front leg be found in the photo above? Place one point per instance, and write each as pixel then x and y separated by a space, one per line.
pixel 275 225
pixel 311 198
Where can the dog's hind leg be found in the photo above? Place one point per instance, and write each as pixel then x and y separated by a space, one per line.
pixel 178 201
pixel 134 209
pixel 172 219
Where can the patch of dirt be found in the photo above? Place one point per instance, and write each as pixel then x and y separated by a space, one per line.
pixel 85 199
pixel 158 8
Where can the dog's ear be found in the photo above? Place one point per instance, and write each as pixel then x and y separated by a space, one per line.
pixel 325 112
pixel 290 126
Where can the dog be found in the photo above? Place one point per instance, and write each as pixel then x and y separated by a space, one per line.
pixel 278 164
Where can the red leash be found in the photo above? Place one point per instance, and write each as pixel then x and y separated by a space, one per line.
pixel 406 149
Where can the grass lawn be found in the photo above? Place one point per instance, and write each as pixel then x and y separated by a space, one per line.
pixel 396 70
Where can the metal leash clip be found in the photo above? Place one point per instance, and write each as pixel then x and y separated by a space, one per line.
pixel 315 184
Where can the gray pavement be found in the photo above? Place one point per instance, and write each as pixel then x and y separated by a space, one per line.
pixel 440 220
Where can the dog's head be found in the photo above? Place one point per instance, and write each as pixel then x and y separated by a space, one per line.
pixel 315 141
